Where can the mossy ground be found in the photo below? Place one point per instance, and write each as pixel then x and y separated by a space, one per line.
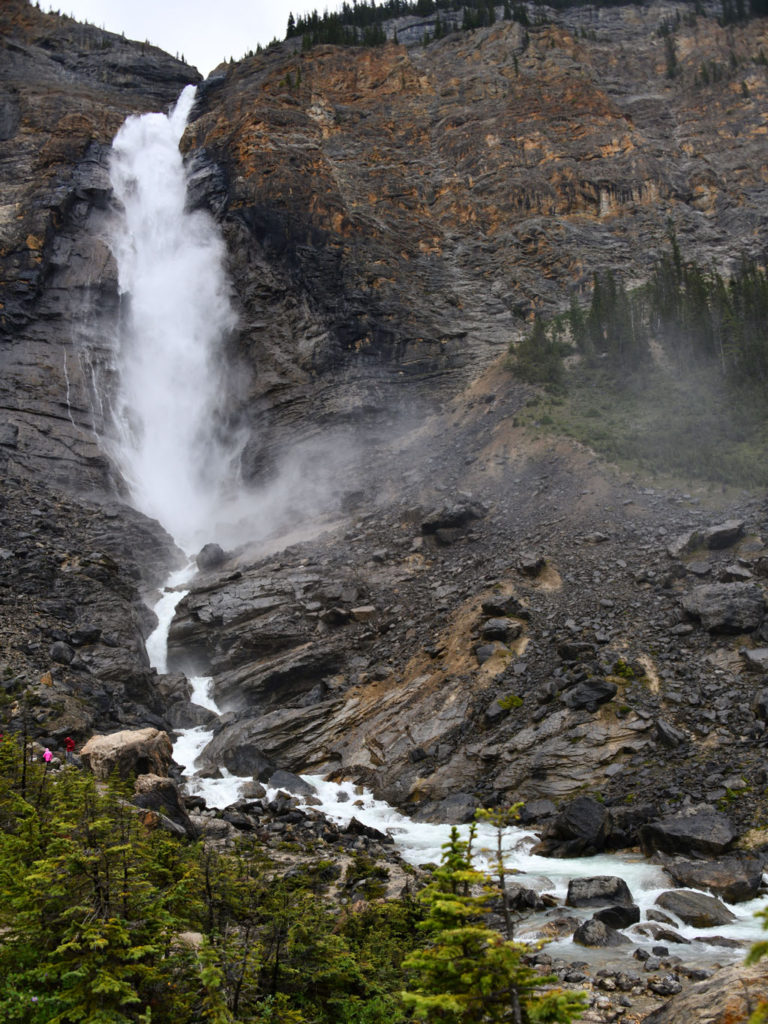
pixel 682 424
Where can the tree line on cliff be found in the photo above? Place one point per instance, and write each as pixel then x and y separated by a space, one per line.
pixel 667 377
pixel 693 313
pixel 361 23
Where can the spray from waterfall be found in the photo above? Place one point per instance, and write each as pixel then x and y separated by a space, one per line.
pixel 175 316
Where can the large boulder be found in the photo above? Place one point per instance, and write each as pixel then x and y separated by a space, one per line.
pixel 210 556
pixel 590 694
pixel 598 891
pixel 722 535
pixel 695 908
pixel 579 830
pixel 731 994
pixel 620 916
pixel 234 746
pixel 129 752
pixel 704 833
pixel 159 794
pixel 453 516
pixel 726 607
pixel 598 933
pixel 736 878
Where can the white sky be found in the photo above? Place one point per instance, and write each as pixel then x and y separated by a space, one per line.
pixel 205 32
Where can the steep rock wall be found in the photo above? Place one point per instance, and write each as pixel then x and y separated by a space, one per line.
pixel 394 215
pixel 65 89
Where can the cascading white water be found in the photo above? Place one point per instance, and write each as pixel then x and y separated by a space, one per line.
pixel 176 313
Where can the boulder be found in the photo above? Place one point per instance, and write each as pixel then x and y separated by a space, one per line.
pixel 755 659
pixel 598 891
pixel 590 694
pixel 531 563
pixel 129 752
pixel 597 933
pixel 705 833
pixel 695 908
pixel 618 916
pixel 357 828
pixel 576 650
pixel 536 810
pixel 726 607
pixel 62 653
pixel 186 715
pixel 660 932
pixel 712 537
pixel 736 878
pixel 156 793
pixel 668 985
pixel 457 808
pixel 579 830
pixel 454 516
pixel 760 704
pixel 504 606
pixel 210 556
pixel 667 734
pixel 730 994
pixel 282 779
pixel 231 749
pixel 502 629
pixel 519 898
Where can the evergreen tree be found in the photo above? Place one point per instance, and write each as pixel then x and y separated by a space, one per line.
pixel 537 358
pixel 468 974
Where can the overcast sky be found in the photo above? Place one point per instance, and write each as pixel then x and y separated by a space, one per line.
pixel 205 32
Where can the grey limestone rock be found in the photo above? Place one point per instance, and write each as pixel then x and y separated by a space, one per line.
pixel 726 607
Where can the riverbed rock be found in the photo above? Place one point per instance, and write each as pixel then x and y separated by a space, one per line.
pixel 580 829
pixel 695 908
pixel 735 879
pixel 599 891
pixel 618 916
pixel 704 833
pixel 233 746
pixel 597 933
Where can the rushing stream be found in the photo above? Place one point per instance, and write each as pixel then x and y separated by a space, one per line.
pixel 176 314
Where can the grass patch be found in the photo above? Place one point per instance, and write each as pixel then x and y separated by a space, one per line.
pixel 686 423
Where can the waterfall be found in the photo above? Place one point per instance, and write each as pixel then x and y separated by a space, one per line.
pixel 175 315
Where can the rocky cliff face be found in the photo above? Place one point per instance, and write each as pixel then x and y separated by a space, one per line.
pixel 406 209
pixel 485 617
pixel 75 574
pixel 65 89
